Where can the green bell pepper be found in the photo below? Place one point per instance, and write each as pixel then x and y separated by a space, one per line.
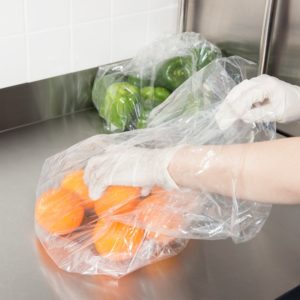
pixel 205 55
pixel 138 81
pixel 173 72
pixel 101 85
pixel 119 104
pixel 153 96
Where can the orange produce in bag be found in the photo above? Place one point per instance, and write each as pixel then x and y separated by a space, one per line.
pixel 74 182
pixel 59 211
pixel 152 213
pixel 119 199
pixel 117 241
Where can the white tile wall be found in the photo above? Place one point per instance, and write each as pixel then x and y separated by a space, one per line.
pixel 90 50
pixel 157 4
pixel 49 53
pixel 128 7
pixel 12 60
pixel 11 17
pixel 162 21
pixel 45 38
pixel 128 35
pixel 90 10
pixel 47 14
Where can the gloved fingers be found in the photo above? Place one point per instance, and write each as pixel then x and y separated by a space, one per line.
pixel 91 167
pixel 225 116
pixel 228 112
pixel 263 81
pixel 93 177
pixel 133 166
pixel 263 113
pixel 237 104
pixel 96 190
pixel 242 101
pixel 237 90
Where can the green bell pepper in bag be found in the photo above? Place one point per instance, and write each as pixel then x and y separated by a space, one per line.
pixel 153 96
pixel 125 99
pixel 119 105
pixel 137 80
pixel 173 72
pixel 150 97
pixel 101 85
pixel 206 55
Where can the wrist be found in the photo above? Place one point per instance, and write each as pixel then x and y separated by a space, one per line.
pixel 202 167
pixel 182 166
pixel 164 159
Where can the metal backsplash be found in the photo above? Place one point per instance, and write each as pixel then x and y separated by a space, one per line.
pixel 264 31
pixel 234 25
pixel 45 99
pixel 284 54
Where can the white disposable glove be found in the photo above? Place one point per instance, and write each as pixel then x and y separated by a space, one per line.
pixel 260 99
pixel 134 166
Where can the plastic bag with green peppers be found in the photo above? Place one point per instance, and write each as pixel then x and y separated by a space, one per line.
pixel 125 93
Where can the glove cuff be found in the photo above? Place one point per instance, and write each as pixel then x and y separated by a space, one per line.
pixel 164 179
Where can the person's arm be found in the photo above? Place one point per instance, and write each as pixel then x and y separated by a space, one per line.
pixel 267 172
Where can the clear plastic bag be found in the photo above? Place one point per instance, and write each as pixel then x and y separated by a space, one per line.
pixel 124 94
pixel 126 229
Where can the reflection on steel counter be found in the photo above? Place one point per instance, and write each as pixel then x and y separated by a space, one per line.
pixel 152 282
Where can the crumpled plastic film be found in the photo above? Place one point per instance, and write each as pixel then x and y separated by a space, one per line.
pixel 125 229
pixel 125 93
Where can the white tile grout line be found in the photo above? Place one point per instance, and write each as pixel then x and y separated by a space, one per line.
pixel 71 41
pixel 28 76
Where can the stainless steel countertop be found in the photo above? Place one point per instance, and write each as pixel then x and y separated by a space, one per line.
pixel 263 268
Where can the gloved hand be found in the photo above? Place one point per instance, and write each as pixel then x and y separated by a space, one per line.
pixel 135 166
pixel 260 99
